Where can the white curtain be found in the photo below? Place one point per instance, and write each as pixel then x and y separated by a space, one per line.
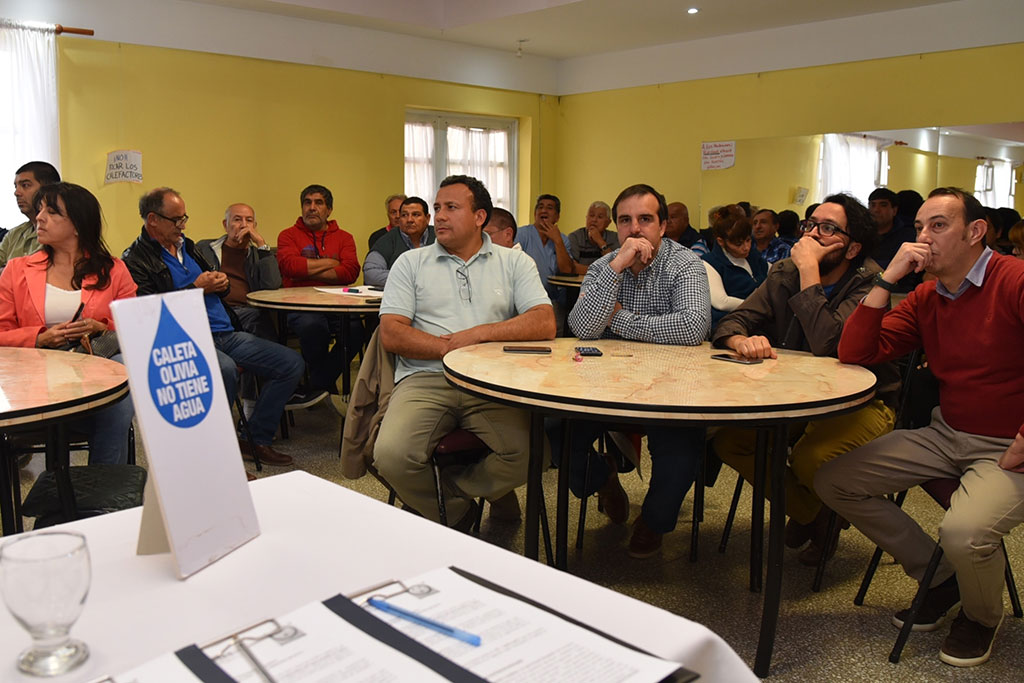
pixel 483 154
pixel 419 161
pixel 28 113
pixel 993 183
pixel 849 163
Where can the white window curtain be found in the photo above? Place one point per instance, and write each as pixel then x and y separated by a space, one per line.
pixel 441 144
pixel 993 183
pixel 850 163
pixel 28 115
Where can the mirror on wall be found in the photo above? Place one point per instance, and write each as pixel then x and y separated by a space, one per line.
pixel 794 172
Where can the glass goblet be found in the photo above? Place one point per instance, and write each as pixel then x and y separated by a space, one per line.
pixel 45 579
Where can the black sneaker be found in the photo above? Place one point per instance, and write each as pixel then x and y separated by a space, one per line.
pixel 304 398
pixel 940 600
pixel 968 643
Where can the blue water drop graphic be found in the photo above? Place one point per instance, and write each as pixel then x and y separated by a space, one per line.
pixel 179 376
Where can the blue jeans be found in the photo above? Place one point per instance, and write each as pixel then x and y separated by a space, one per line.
pixel 314 331
pixel 278 367
pixel 676 453
pixel 107 430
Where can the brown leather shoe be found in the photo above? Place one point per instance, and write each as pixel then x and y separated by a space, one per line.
pixel 249 476
pixel 644 542
pixel 506 508
pixel 268 456
pixel 613 500
pixel 797 534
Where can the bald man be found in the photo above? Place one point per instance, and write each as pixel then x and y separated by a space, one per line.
pixel 244 256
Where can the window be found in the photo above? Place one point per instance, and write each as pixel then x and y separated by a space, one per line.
pixel 853 164
pixel 994 183
pixel 441 144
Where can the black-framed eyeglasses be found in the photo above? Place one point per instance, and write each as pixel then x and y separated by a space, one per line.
pixel 824 229
pixel 465 287
pixel 178 222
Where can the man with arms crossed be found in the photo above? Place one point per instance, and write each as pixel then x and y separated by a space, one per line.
pixel 653 290
pixel 461 290
pixel 414 231
pixel 802 305
pixel 970 322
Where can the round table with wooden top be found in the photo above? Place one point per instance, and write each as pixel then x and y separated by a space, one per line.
pixel 317 300
pixel 43 388
pixel 572 281
pixel 678 385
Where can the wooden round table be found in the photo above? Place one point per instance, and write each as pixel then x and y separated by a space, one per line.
pixel 681 385
pixel 316 300
pixel 571 281
pixel 43 387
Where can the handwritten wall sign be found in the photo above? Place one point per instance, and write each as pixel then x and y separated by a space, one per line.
pixel 717 155
pixel 123 166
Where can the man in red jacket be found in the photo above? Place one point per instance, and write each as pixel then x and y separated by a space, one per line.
pixel 316 252
pixel 970 322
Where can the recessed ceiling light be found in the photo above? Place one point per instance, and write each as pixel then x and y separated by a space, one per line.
pixel 692 10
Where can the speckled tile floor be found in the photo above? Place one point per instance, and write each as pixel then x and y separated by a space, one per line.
pixel 822 636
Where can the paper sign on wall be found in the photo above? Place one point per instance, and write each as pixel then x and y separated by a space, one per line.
pixel 123 166
pixel 717 155
pixel 197 502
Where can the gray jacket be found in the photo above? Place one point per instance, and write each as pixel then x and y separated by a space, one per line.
pixel 261 270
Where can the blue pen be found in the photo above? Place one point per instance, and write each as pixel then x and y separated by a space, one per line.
pixel 457 633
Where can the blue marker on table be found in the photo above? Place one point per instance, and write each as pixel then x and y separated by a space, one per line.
pixel 449 631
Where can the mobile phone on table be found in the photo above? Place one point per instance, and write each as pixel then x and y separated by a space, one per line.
pixel 526 349
pixel 733 358
pixel 588 351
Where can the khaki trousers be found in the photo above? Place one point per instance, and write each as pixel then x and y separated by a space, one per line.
pixel 820 441
pixel 423 409
pixel 988 504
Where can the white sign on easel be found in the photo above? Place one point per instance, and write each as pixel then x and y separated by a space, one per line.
pixel 197 502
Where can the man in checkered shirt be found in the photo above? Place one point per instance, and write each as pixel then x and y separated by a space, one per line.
pixel 648 290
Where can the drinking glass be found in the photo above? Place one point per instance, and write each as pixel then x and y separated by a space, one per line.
pixel 44 579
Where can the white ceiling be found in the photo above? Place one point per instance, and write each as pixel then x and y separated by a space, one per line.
pixel 562 29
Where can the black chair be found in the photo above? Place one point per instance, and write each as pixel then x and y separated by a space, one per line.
pixel 941 490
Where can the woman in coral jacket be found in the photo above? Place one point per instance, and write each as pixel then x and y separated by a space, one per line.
pixel 40 294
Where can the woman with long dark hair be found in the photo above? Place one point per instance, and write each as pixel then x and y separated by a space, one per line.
pixel 40 295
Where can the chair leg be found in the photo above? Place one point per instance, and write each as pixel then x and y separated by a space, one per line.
pixel 831 540
pixel 441 511
pixel 131 444
pixel 1011 584
pixel 698 509
pixel 479 516
pixel 248 434
pixel 915 607
pixel 545 529
pixel 392 496
pixel 732 514
pixel 582 523
pixel 876 558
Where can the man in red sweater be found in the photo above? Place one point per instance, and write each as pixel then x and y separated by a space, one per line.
pixel 316 252
pixel 970 322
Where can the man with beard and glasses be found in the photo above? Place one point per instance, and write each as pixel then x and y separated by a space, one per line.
pixel 803 305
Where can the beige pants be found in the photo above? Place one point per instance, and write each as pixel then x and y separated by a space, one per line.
pixel 423 409
pixel 988 504
pixel 819 441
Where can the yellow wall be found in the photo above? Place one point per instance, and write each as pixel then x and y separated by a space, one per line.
pixel 767 173
pixel 224 129
pixel 912 169
pixel 956 172
pixel 608 140
pixel 229 129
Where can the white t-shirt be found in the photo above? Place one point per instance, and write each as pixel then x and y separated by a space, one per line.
pixel 61 304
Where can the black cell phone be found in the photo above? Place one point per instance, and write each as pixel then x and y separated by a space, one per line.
pixel 526 349
pixel 588 351
pixel 731 358
pixel 78 313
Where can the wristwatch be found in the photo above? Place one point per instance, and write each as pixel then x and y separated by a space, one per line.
pixel 879 281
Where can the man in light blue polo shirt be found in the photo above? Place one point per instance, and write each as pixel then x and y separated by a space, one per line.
pixel 549 248
pixel 459 291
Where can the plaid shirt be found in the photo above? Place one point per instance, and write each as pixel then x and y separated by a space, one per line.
pixel 668 302
pixel 776 250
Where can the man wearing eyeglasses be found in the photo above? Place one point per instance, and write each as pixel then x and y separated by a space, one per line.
pixel 161 260
pixel 803 305
pixel 461 290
